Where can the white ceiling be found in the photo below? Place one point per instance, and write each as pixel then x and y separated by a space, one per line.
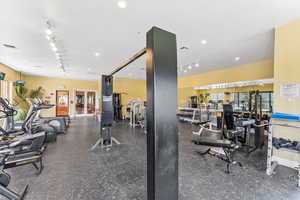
pixel 232 28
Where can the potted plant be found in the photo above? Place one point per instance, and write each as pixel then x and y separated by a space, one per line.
pixel 21 95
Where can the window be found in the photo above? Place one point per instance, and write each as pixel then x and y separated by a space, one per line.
pixel 241 100
pixel 6 90
pixel 244 100
pixel 267 101
pixel 217 96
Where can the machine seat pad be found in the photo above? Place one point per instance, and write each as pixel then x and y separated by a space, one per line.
pixel 237 132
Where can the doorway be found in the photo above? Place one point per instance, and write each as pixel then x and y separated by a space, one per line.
pixel 80 102
pixel 85 102
pixel 62 102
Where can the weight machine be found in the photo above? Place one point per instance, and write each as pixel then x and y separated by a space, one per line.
pixel 136 113
pixel 107 116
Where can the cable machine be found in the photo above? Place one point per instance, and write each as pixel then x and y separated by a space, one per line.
pixel 162 130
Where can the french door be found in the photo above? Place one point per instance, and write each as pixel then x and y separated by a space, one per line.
pixel 85 102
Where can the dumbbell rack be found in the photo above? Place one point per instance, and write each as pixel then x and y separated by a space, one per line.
pixel 274 161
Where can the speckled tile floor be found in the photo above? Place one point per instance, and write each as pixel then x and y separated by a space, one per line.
pixel 73 173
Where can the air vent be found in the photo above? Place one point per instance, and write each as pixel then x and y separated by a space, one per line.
pixel 184 48
pixel 9 46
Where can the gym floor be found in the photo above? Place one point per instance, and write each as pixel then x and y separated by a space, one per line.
pixel 73 173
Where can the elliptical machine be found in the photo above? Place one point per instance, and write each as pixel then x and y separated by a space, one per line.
pixel 60 124
pixel 28 126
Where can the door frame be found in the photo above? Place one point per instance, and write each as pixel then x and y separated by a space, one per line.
pixel 85 101
pixel 68 101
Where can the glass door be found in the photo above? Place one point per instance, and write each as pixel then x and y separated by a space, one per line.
pixel 80 102
pixel 91 102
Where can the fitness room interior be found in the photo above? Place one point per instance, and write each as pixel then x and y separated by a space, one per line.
pixel 150 100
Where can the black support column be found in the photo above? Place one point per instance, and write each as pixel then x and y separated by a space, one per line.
pixel 162 131
pixel 107 109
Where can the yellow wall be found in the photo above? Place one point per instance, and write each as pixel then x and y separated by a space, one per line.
pixel 130 89
pixel 287 70
pixel 287 64
pixel 50 85
pixel 184 94
pixel 11 75
pixel 267 87
pixel 252 71
pixel 136 89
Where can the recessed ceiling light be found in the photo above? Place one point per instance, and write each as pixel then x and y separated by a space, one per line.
pixel 237 58
pixel 122 4
pixel 54 48
pixel 48 31
pixel 204 42
pixel 185 71
pixel 197 65
pixel 97 54
pixel 52 44
pixel 190 66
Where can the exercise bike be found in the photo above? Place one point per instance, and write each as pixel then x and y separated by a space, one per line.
pixel 4 182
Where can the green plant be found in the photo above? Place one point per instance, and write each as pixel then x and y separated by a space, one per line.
pixel 22 95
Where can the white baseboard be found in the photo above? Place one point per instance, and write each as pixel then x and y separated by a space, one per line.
pixel 285 162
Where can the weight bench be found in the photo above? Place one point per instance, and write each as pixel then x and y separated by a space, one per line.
pixel 222 149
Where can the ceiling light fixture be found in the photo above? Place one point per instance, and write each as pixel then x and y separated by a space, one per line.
pixel 122 4
pixel 197 65
pixel 203 42
pixel 52 44
pixel 237 58
pixel 185 71
pixel 97 54
pixel 48 31
pixel 190 66
pixel 51 37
